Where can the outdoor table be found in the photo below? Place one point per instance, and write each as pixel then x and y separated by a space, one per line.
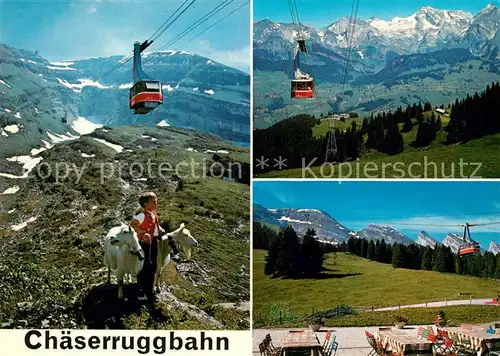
pixel 301 343
pixel 403 344
pixel 481 341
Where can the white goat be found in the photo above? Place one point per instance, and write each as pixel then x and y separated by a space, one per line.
pixel 123 253
pixel 182 237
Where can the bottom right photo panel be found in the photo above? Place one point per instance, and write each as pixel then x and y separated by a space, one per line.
pixel 376 268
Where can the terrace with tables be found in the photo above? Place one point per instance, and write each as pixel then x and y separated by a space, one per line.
pixel 468 339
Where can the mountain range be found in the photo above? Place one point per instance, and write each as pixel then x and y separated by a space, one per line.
pixel 39 98
pixel 427 30
pixel 432 55
pixel 331 231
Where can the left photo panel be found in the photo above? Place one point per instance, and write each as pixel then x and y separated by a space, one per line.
pixel 124 165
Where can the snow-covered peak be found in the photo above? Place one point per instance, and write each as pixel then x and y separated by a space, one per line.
pixel 424 239
pixel 489 8
pixel 453 241
pixel 386 233
pixel 425 20
pixel 494 247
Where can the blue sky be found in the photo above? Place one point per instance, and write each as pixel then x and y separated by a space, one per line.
pixel 76 29
pixel 321 13
pixel 405 206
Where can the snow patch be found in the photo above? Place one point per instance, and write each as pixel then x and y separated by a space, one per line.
pixel 56 138
pixel 62 64
pixel 23 224
pixel 285 218
pixel 210 91
pixel 60 68
pixel 210 62
pixel 7 110
pixel 218 151
pixel 11 211
pixel 84 155
pixel 11 190
pixel 32 62
pixel 126 86
pixel 13 128
pixel 18 115
pixel 163 123
pixel 36 151
pixel 168 87
pixel 117 148
pixel 83 126
pixel 7 85
pixel 308 211
pixel 83 83
pixel 196 89
pixel 28 162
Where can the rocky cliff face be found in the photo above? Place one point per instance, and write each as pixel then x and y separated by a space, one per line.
pixel 44 98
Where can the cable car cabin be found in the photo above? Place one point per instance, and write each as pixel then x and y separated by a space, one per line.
pixel 302 88
pixel 469 249
pixel 145 96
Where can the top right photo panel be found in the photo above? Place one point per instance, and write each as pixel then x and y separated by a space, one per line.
pixel 376 89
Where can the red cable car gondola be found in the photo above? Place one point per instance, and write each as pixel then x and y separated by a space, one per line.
pixel 145 94
pixel 302 86
pixel 470 247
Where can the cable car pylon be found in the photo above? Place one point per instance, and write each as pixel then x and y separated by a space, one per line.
pixel 331 145
pixel 146 94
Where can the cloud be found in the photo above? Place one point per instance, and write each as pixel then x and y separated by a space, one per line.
pixel 435 223
pixel 92 9
pixel 237 58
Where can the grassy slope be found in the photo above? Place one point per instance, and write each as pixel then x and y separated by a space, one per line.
pixel 377 284
pixel 458 81
pixel 61 253
pixel 484 151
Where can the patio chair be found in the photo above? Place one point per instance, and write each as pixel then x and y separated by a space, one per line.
pixel 377 348
pixel 445 348
pixel 331 346
pixel 372 343
pixel 462 346
pixel 420 332
pixel 327 339
pixel 425 334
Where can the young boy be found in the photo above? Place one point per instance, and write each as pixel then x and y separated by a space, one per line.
pixel 147 226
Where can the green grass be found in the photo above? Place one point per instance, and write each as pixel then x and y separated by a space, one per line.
pixel 53 262
pixel 358 282
pixel 427 163
pixel 475 314
pixel 324 126
pixel 458 81
pixel 272 226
